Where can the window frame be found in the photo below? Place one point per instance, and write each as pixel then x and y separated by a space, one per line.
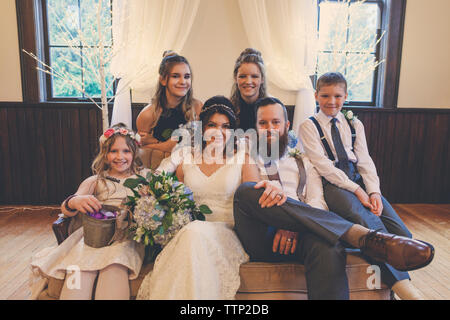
pixel 34 37
pixel 30 22
pixel 375 74
pixel 380 84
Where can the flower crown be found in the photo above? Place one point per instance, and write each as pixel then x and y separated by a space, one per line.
pixel 125 132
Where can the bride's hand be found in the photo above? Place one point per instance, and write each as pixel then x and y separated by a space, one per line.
pixel 272 195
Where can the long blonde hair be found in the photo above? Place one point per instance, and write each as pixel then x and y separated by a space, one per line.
pixel 249 55
pixel 170 59
pixel 100 165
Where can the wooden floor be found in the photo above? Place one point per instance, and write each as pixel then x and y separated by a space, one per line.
pixel 24 233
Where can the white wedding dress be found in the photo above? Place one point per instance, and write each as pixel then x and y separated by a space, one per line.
pixel 202 261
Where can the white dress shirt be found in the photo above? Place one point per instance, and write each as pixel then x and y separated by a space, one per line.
pixel 289 176
pixel 313 146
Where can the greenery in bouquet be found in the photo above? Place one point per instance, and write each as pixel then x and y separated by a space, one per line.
pixel 160 207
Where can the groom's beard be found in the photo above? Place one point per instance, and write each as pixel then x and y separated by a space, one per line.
pixel 282 143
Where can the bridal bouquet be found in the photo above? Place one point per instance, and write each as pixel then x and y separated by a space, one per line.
pixel 160 207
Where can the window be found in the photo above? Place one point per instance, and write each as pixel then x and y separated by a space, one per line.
pixel 34 33
pixel 350 39
pixel 64 34
pixel 72 47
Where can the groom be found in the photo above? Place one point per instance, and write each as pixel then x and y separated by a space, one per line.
pixel 295 226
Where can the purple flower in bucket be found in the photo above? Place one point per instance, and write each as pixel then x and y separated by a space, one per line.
pixel 103 215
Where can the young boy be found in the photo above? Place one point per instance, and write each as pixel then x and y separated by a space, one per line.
pixel 337 147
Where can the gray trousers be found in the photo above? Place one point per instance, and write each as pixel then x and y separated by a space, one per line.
pixel 348 206
pixel 319 248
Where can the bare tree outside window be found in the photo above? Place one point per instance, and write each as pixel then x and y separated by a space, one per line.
pixel 349 37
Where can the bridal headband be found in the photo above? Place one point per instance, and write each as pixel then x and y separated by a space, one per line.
pixel 218 105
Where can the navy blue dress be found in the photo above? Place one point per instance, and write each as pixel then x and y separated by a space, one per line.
pixel 247 115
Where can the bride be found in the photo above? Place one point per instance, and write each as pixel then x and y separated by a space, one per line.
pixel 202 261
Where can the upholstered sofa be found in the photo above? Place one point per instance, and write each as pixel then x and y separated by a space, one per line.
pixel 259 280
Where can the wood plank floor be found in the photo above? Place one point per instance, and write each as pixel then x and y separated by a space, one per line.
pixel 24 233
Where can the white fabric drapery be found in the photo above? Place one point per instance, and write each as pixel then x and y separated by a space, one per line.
pixel 285 31
pixel 142 31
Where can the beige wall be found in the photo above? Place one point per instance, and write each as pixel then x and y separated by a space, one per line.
pixel 218 37
pixel 425 66
pixel 216 40
pixel 10 83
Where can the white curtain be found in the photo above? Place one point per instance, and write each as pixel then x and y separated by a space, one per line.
pixel 142 31
pixel 285 31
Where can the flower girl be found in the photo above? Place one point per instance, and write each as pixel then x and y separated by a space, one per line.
pixel 79 264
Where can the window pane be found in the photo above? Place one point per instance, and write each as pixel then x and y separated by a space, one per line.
pixel 89 23
pixel 333 26
pixel 66 63
pixel 331 62
pixel 74 40
pixel 364 22
pixel 92 73
pixel 360 77
pixel 63 22
pixel 348 33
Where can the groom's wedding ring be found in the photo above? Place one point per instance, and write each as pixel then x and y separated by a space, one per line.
pixel 280 195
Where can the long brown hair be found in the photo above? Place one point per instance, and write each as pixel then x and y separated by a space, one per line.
pixel 249 55
pixel 170 59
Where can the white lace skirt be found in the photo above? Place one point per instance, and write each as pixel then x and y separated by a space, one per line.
pixel 200 263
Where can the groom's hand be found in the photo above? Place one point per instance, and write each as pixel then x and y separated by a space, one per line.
pixel 272 195
pixel 282 244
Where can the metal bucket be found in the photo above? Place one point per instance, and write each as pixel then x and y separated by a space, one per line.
pixel 98 233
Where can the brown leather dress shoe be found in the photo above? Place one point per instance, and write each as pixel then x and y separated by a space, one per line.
pixel 403 253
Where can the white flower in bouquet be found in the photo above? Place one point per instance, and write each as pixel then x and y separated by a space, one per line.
pixel 161 206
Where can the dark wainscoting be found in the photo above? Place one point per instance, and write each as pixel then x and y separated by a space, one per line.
pixel 47 149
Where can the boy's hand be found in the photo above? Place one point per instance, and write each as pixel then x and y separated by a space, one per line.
pixel 281 243
pixel 364 198
pixel 272 195
pixel 377 204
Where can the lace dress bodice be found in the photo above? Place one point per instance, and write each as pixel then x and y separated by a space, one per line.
pixel 202 261
pixel 216 191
